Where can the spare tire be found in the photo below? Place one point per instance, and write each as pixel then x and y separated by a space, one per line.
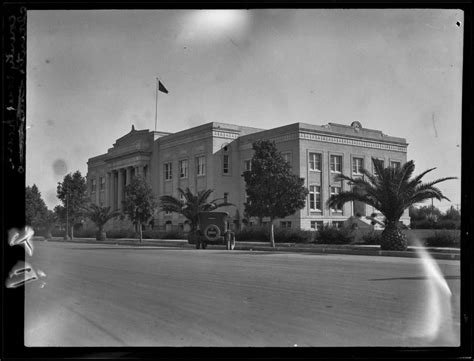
pixel 212 232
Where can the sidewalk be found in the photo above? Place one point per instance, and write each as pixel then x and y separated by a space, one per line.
pixel 365 250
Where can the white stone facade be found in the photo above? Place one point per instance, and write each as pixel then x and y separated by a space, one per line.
pixel 214 156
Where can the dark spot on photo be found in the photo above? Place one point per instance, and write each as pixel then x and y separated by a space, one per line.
pixel 59 167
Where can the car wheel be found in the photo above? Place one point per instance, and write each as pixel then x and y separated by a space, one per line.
pixel 204 245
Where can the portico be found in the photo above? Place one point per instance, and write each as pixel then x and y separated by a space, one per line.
pixel 118 179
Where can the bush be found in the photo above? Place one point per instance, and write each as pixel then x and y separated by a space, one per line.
pixel 441 224
pixel 442 239
pixel 372 238
pixel 255 233
pixel 292 236
pixel 121 233
pixel 282 235
pixel 86 233
pixel 332 235
pixel 155 234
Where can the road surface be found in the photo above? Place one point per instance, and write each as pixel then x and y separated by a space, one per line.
pixel 108 295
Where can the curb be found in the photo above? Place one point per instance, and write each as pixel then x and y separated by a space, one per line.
pixel 446 255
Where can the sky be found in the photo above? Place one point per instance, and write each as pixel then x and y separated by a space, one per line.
pixel 91 75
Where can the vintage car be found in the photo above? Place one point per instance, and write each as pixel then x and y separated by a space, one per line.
pixel 212 228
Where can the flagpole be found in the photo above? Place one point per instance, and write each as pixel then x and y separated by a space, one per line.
pixel 156 102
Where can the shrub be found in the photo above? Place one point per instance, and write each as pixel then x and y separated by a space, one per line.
pixel 282 235
pixel 332 235
pixel 442 239
pixel 373 238
pixel 155 234
pixel 121 233
pixel 255 233
pixel 293 236
pixel 441 224
pixel 86 233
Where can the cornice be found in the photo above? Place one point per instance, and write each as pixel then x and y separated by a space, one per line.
pixel 224 134
pixel 353 141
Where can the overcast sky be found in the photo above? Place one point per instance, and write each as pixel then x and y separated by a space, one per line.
pixel 91 75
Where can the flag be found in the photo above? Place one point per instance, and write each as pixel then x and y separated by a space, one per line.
pixel 162 88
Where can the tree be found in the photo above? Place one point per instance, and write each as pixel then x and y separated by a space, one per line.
pixel 48 222
pixel 452 214
pixel 72 192
pixel 390 190
pixel 35 208
pixel 273 190
pixel 100 216
pixel 190 204
pixel 139 203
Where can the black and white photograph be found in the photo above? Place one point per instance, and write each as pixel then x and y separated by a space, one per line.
pixel 242 178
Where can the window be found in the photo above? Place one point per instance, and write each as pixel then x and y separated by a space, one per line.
pixel 248 165
pixel 334 191
pixel 285 224
pixel 93 185
pixel 395 164
pixel 287 157
pixel 225 164
pixel 168 213
pixel 357 165
pixel 315 161
pixel 183 168
pixel 336 163
pixel 226 197
pixel 168 171
pixel 383 165
pixel 315 198
pixel 200 165
pixel 337 224
pixel 317 225
pixel 102 183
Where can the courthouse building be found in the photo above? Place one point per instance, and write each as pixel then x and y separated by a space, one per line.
pixel 214 156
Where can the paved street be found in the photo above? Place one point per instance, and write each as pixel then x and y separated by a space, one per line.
pixel 107 295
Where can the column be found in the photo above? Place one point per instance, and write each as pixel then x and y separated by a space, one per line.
pixel 120 189
pixel 128 175
pixel 113 190
pixel 107 189
pixel 97 191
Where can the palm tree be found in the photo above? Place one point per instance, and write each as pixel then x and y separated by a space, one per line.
pixel 100 216
pixel 390 190
pixel 190 204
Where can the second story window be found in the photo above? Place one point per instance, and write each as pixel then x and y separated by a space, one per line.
pixel 315 161
pixel 200 165
pixel 93 185
pixel 382 163
pixel 395 164
pixel 357 165
pixel 248 165
pixel 102 183
pixel 334 191
pixel 226 197
pixel 315 198
pixel 183 168
pixel 336 163
pixel 225 164
pixel 168 171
